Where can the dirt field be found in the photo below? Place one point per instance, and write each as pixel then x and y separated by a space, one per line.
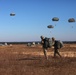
pixel 24 60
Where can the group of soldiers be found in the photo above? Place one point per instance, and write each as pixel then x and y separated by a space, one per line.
pixel 46 47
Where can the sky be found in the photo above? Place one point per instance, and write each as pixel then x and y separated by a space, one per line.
pixel 32 18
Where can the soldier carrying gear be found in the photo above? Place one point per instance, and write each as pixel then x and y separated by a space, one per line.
pixel 57 45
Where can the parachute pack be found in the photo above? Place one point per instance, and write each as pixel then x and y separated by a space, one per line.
pixel 58 44
pixel 47 42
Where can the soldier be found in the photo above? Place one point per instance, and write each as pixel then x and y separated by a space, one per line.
pixel 44 44
pixel 55 44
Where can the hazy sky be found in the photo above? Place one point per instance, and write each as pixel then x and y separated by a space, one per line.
pixel 32 18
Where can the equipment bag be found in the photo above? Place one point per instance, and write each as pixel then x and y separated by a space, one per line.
pixel 47 42
pixel 58 44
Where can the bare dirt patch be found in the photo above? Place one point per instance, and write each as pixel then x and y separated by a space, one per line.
pixel 24 60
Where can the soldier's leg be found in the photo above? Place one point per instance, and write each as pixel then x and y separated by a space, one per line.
pixel 54 52
pixel 58 53
pixel 45 53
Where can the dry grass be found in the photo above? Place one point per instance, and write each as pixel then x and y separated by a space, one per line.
pixel 23 60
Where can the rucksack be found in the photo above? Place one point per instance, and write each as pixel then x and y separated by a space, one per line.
pixel 61 44
pixel 58 44
pixel 47 42
pixel 45 45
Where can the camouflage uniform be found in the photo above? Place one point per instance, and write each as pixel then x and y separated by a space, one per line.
pixel 55 47
pixel 44 47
